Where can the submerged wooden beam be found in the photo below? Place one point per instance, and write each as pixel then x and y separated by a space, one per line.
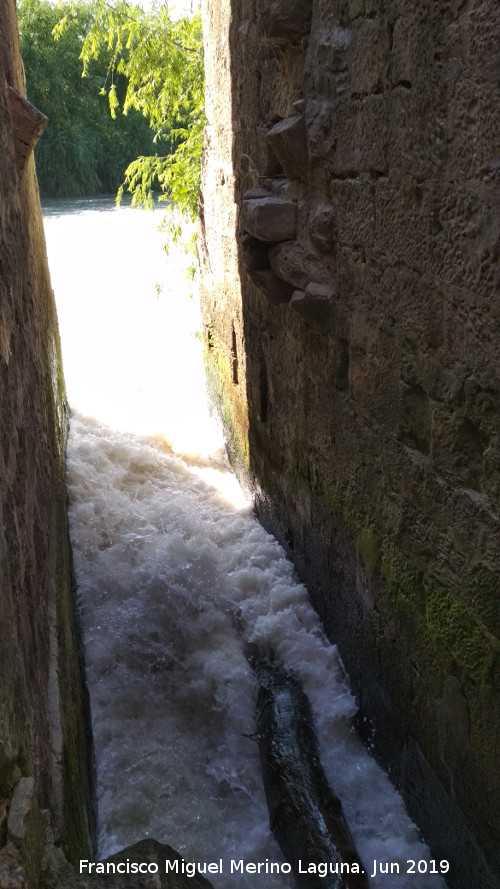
pixel 28 124
pixel 306 817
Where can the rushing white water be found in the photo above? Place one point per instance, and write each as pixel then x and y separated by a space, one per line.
pixel 173 571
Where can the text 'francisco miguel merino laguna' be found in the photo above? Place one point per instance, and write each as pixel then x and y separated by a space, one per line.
pixel 191 868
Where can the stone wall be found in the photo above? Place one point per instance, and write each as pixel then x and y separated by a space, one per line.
pixel 353 343
pixel 44 769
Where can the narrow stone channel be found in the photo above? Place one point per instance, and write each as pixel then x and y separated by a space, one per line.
pixel 174 574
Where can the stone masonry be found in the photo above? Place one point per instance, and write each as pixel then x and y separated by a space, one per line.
pixel 45 793
pixel 350 280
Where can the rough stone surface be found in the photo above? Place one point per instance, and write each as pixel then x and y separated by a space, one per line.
pixel 269 218
pixel 315 305
pixel 12 873
pixel 297 263
pixel 289 143
pixel 43 745
pixel 272 286
pixel 21 808
pixel 28 124
pixel 387 425
pixel 285 19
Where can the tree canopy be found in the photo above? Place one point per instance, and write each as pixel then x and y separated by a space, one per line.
pixel 83 151
pixel 144 62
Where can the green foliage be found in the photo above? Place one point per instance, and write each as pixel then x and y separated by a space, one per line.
pixel 83 151
pixel 162 63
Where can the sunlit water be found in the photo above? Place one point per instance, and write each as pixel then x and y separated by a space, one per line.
pixel 173 572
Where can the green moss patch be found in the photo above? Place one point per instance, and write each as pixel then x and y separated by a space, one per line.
pixel 450 625
pixel 230 406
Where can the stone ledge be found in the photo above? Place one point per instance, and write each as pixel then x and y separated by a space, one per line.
pixel 269 218
pixel 28 124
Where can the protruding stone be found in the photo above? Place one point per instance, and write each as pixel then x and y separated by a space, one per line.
pixel 12 874
pixel 276 290
pixel 321 227
pixel 254 193
pixel 315 305
pixel 28 124
pixel 20 809
pixel 284 188
pixel 296 263
pixel 270 219
pixel 289 143
pixel 285 19
pixel 333 53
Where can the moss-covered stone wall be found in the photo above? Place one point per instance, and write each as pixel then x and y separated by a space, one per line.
pixel 352 156
pixel 44 754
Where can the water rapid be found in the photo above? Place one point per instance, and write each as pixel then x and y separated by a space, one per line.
pixel 173 571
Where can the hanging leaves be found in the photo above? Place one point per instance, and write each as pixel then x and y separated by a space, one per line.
pixel 162 61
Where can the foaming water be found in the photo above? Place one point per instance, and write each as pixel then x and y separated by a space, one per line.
pixel 129 320
pixel 173 572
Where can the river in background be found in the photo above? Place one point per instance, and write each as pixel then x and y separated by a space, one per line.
pixel 173 571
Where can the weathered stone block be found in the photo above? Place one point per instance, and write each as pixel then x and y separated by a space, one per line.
pixel 288 141
pixel 269 219
pixel 362 7
pixel 254 193
pixel 315 305
pixel 287 69
pixel 353 206
pixel 332 55
pixel 361 129
pixel 407 48
pixel 295 262
pixel 28 829
pixel 370 55
pixel 464 249
pixel 472 129
pixel 20 810
pixel 285 19
pixel 284 188
pixel 320 129
pixel 12 873
pixel 402 222
pixel 322 227
pixel 276 290
pixel 28 124
pixel 417 135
